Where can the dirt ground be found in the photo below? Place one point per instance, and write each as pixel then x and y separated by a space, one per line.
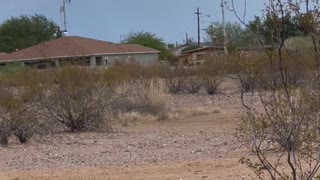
pixel 202 146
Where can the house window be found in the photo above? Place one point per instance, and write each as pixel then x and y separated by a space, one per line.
pixel 98 61
pixel 52 64
pixel 41 66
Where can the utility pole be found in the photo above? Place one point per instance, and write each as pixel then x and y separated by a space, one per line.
pixel 225 47
pixel 198 22
pixel 187 39
pixel 63 11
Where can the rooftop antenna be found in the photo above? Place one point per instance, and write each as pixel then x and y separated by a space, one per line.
pixel 63 11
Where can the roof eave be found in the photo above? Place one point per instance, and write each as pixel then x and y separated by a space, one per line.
pixel 85 55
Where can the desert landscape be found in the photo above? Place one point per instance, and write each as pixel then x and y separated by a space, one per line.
pixel 238 99
pixel 200 145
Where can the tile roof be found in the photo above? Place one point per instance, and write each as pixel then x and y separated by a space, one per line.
pixel 3 55
pixel 75 46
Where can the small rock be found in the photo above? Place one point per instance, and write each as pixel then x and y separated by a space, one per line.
pixel 225 143
pixel 197 151
pixel 204 177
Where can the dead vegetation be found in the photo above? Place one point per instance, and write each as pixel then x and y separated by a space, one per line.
pixel 79 99
pixel 284 134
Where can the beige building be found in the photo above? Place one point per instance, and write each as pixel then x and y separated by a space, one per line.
pixel 76 50
pixel 200 54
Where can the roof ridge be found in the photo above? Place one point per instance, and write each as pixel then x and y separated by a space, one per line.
pixel 86 50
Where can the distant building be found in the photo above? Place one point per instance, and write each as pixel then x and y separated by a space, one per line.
pixel 76 50
pixel 199 55
pixel 177 51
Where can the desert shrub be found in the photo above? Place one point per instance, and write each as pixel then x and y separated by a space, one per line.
pixel 211 84
pixel 283 133
pixel 192 81
pixel 4 133
pixel 23 124
pixel 258 72
pixel 174 79
pixel 262 72
pixel 248 70
pixel 287 124
pixel 174 85
pixel 193 85
pixel 19 105
pixel 297 66
pixel 289 127
pixel 78 99
pixel 211 73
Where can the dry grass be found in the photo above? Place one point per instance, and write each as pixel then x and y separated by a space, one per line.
pixel 133 118
pixel 182 113
pixel 144 97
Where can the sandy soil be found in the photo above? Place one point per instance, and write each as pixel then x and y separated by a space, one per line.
pixel 198 147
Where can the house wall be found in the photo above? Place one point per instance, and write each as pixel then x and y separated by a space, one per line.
pixel 93 61
pixel 138 58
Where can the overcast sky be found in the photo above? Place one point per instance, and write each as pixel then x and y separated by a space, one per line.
pixel 110 19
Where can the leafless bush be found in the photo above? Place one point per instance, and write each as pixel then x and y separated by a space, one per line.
pixel 211 73
pixel 78 100
pixel 284 134
pixel 18 106
pixel 23 124
pixel 4 133
pixel 174 79
pixel 289 127
pixel 174 85
pixel 247 69
pixel 193 82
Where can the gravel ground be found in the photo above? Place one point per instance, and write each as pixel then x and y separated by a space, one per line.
pixel 160 143
pixel 65 151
